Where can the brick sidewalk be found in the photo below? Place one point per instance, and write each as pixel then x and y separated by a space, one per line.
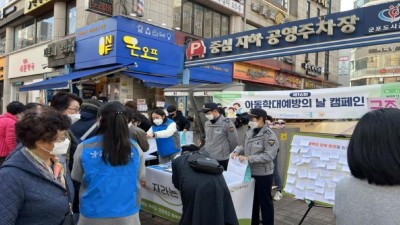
pixel 287 212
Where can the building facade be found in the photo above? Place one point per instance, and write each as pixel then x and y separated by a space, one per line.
pixel 40 40
pixel 377 64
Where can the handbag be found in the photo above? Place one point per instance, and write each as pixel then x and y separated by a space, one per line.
pixel 202 163
pixel 71 218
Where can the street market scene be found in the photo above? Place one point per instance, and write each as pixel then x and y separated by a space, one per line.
pixel 199 112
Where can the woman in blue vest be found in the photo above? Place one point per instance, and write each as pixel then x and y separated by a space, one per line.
pixel 165 132
pixel 109 166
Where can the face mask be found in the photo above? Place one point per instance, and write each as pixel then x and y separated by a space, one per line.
pixel 253 125
pixel 74 117
pixel 210 116
pixel 60 148
pixel 158 122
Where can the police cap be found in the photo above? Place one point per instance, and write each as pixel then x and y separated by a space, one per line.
pixel 258 113
pixel 209 106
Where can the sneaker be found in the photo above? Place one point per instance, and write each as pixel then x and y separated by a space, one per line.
pixel 278 196
pixel 274 187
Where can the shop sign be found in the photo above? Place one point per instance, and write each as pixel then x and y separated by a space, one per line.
pixel 267 11
pixel 288 81
pixel 235 6
pixel 382 49
pixel 349 28
pixel 28 62
pixel 389 70
pixel 6 11
pixel 311 84
pixel 254 74
pixel 103 7
pixel 31 5
pixel 2 64
pixel 344 66
pixel 61 52
pixel 124 41
pixel 312 68
pixel 220 73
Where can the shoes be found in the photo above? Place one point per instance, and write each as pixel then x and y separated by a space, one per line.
pixel 274 187
pixel 278 196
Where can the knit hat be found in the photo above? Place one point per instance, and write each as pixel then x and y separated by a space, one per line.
pixel 90 106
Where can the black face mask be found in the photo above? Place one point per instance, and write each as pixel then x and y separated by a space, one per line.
pixel 171 114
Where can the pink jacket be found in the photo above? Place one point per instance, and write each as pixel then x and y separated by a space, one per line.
pixel 7 134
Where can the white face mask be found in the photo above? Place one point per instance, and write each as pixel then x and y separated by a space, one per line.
pixel 158 122
pixel 74 117
pixel 210 116
pixel 60 148
pixel 253 125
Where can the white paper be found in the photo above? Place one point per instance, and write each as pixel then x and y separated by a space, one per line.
pixel 313 164
pixel 319 190
pixel 324 156
pixel 306 160
pixel 311 185
pixel 321 164
pixel 320 183
pixel 307 155
pixel 299 194
pixel 312 174
pixel 237 167
pixel 304 149
pixel 231 178
pixel 310 195
pixel 330 184
pixel 300 184
pixel 294 158
pixel 324 173
pixel 334 155
pixel 304 142
pixel 152 146
pixel 337 177
pixel 331 166
pixel 330 195
pixel 291 179
pixel 294 149
pixel 343 160
pixel 299 163
pixel 302 173
pixel 345 168
pixel 292 170
pixel 289 188
pixel 316 153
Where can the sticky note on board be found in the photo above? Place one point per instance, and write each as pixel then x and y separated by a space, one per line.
pixel 320 190
pixel 330 184
pixel 292 170
pixel 304 142
pixel 306 160
pixel 291 179
pixel 302 173
pixel 324 157
pixel 324 173
pixel 299 194
pixel 343 160
pixel 310 195
pixel 304 149
pixel 294 149
pixel 316 153
pixel 313 164
pixel 311 185
pixel 345 168
pixel 312 174
pixel 301 185
pixel 329 195
pixel 331 166
pixel 289 188
pixel 334 155
pixel 320 183
pixel 294 158
pixel 337 177
pixel 321 164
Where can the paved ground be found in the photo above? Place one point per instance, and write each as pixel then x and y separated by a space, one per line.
pixel 287 212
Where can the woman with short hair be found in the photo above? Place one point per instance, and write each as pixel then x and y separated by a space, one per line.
pixel 35 186
pixel 109 167
pixel 372 194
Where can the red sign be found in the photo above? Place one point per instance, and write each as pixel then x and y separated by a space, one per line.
pixel 195 48
pixel 26 66
pixel 391 70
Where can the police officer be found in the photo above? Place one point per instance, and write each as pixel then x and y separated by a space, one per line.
pixel 221 135
pixel 260 149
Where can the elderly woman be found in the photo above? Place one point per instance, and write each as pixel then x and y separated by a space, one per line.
pixel 372 194
pixel 34 183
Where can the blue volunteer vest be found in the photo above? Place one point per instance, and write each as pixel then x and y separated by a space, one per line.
pixel 166 146
pixel 110 190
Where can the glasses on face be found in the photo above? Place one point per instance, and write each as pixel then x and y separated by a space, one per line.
pixel 61 139
pixel 74 109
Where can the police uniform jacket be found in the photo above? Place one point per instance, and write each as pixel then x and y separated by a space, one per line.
pixel 260 150
pixel 221 138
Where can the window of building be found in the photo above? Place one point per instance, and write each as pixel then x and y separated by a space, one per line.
pixel 187 17
pixel 201 21
pixel 392 60
pixel 2 43
pixel 308 9
pixel 44 27
pixel 71 18
pixel 282 3
pixel 34 31
pixel 361 64
pixel 372 62
pixel 5 2
pixel 24 34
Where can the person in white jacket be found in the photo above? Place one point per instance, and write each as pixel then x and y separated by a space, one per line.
pixel 165 131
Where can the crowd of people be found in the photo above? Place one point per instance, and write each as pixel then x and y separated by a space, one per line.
pixel 71 163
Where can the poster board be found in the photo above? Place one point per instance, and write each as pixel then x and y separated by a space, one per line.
pixel 316 163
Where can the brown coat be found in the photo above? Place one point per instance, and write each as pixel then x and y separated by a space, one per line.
pixel 139 136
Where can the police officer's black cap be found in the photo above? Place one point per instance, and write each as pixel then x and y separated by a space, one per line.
pixel 209 106
pixel 258 113
pixel 171 108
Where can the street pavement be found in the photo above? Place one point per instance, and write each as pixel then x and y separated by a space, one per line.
pixel 287 212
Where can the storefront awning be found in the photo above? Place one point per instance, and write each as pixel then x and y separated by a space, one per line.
pixel 62 80
pixel 153 81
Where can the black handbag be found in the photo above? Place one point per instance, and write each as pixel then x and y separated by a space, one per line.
pixel 204 164
pixel 71 218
